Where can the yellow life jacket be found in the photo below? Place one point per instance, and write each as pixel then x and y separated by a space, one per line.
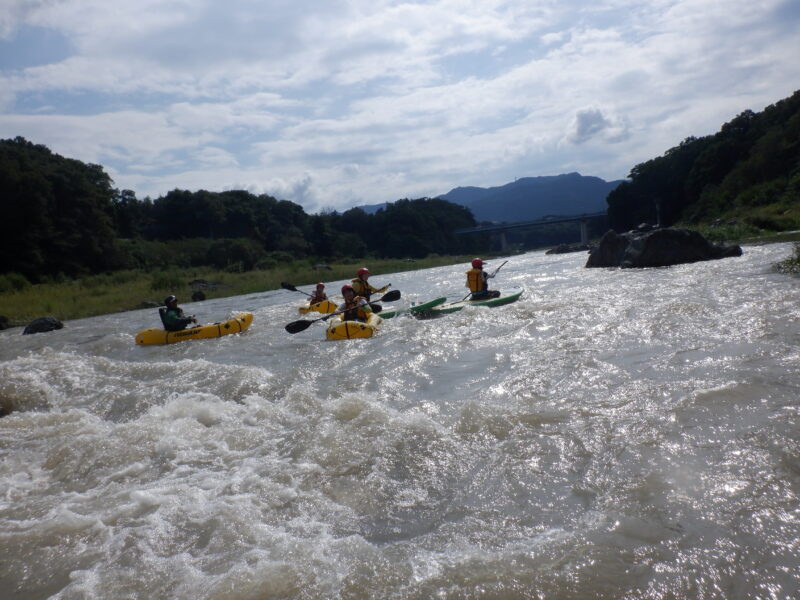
pixel 353 310
pixel 362 288
pixel 475 281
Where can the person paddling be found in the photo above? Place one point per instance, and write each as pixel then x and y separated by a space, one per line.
pixel 363 288
pixel 319 294
pixel 478 281
pixel 172 317
pixel 354 307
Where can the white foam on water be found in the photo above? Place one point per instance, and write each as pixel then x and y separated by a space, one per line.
pixel 615 433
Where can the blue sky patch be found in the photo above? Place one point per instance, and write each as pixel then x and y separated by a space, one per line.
pixel 32 47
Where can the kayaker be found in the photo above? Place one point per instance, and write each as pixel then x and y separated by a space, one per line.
pixel 354 307
pixel 319 294
pixel 362 287
pixel 172 317
pixel 478 281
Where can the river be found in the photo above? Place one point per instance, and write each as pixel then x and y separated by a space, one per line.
pixel 614 434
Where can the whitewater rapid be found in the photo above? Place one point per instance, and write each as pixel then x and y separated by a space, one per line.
pixel 614 434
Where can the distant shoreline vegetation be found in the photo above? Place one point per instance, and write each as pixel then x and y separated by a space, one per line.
pixel 64 219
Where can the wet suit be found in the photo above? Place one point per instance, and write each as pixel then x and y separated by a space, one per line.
pixel 173 319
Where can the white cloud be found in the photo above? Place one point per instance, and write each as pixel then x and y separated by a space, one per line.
pixel 592 123
pixel 342 102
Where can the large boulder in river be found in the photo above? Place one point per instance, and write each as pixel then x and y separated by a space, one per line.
pixel 657 248
pixel 43 324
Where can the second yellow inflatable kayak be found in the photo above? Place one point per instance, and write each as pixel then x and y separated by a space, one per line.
pixel 324 307
pixel 347 330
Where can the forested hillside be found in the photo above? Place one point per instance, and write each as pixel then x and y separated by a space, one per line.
pixel 747 173
pixel 62 217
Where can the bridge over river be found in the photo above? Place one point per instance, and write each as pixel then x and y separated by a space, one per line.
pixel 502 228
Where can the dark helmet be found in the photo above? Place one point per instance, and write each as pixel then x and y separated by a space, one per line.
pixel 477 263
pixel 320 286
pixel 346 287
pixel 169 300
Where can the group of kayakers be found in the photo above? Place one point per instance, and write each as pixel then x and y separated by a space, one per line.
pixel 357 293
pixel 356 296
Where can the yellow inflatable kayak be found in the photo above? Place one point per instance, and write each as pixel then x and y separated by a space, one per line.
pixel 213 330
pixel 347 330
pixel 324 307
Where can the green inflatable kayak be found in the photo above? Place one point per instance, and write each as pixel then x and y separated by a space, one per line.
pixel 504 298
pixel 414 309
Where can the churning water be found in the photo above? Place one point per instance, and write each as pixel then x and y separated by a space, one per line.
pixel 615 434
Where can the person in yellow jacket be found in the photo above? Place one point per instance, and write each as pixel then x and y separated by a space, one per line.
pixel 478 281
pixel 362 287
pixel 354 308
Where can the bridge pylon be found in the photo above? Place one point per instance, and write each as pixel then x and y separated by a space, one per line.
pixel 503 242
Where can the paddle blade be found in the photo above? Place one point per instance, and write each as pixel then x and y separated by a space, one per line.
pixel 376 308
pixel 298 326
pixel 288 286
pixel 391 296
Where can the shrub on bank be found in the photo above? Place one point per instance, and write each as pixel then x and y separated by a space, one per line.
pixel 12 282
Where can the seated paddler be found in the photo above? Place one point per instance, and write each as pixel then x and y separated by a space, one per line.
pixel 362 287
pixel 172 317
pixel 318 295
pixel 354 307
pixel 478 281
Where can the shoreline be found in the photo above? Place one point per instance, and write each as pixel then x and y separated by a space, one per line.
pixel 124 291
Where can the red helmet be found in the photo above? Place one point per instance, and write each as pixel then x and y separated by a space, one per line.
pixel 363 271
pixel 477 263
pixel 320 285
pixel 346 287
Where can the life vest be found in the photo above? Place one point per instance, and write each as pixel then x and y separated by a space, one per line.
pixel 354 311
pixel 475 280
pixel 362 288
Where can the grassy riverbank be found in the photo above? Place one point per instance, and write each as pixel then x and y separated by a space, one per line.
pixel 128 290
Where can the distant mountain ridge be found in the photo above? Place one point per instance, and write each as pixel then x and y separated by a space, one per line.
pixel 530 198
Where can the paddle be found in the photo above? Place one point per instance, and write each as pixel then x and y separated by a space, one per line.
pixel 377 307
pixel 302 324
pixel 498 268
pixel 291 288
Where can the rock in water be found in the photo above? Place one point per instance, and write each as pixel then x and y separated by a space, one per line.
pixel 657 248
pixel 43 324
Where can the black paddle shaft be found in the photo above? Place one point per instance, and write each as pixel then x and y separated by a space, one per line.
pixel 291 288
pixel 303 324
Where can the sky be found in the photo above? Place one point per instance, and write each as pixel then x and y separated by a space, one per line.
pixel 338 103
